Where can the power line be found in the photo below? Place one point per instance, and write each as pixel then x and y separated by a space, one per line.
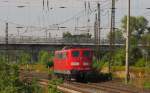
pixel 80 14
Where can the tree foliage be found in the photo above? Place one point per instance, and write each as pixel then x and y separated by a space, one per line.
pixel 135 55
pixel 140 34
pixel 140 63
pixel 45 58
pixel 146 39
pixel 137 25
pixel 118 36
pixel 10 82
pixel 52 86
pixel 76 38
pixel 24 58
pixel 119 57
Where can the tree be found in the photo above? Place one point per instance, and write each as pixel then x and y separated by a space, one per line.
pixel 137 25
pixel 148 29
pixel 141 25
pixel 67 35
pixel 145 39
pixel 118 34
pixel 76 38
pixel 132 23
pixel 136 54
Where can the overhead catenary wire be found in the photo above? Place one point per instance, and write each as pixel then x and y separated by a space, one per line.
pixel 78 15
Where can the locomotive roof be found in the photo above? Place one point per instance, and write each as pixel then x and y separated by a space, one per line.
pixel 73 49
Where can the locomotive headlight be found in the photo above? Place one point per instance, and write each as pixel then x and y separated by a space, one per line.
pixel 75 63
pixel 85 63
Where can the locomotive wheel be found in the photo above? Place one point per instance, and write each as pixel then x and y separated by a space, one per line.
pixel 66 77
pixel 55 76
pixel 79 78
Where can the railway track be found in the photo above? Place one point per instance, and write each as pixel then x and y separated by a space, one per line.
pixel 43 80
pixel 102 88
pixel 76 87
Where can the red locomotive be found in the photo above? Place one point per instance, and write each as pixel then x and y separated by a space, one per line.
pixel 73 62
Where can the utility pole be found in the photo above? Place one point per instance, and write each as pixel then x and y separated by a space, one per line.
pixel 6 44
pixel 96 36
pixel 6 33
pixel 112 35
pixel 127 45
pixel 99 30
pixel 95 30
pixel 46 33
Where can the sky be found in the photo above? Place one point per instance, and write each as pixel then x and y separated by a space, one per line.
pixel 39 21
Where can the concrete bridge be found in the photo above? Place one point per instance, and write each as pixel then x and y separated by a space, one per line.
pixel 50 43
pixel 33 45
pixel 42 43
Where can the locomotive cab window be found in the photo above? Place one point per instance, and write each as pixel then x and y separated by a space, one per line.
pixel 75 53
pixel 86 53
pixel 59 55
pixel 56 55
pixel 64 55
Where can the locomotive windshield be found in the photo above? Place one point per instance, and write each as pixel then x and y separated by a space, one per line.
pixel 86 53
pixel 75 53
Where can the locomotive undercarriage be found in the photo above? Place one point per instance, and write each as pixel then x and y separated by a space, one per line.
pixel 75 75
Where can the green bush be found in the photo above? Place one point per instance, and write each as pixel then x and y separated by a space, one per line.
pixel 147 85
pixel 31 87
pixel 45 58
pixel 98 64
pixel 140 63
pixel 9 78
pixel 10 83
pixel 52 87
pixel 24 58
pixel 49 64
pixel 119 57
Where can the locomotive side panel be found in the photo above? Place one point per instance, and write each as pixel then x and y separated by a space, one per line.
pixel 61 62
pixel 81 59
pixel 73 61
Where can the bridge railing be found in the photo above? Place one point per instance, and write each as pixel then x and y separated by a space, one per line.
pixel 58 40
